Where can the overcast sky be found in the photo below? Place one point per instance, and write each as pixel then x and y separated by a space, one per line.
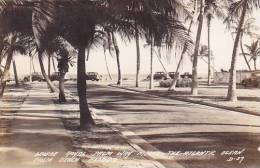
pixel 221 42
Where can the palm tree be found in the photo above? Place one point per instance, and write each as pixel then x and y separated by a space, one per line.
pixel 13 43
pixel 248 29
pixel 253 52
pixel 213 8
pixel 184 51
pixel 137 56
pixel 194 89
pixel 114 41
pixel 185 48
pixel 238 9
pixel 65 54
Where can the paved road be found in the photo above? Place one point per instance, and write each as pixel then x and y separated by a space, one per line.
pixel 179 129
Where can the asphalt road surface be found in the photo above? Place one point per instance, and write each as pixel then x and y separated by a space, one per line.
pixel 194 136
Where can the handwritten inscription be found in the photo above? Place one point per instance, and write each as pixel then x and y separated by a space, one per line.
pixel 191 153
pixel 109 156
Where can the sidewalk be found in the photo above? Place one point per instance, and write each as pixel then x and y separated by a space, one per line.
pixel 214 96
pixel 35 127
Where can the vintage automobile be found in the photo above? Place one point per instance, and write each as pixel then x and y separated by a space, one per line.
pixel 253 80
pixel 186 75
pixel 158 76
pixel 36 76
pixel 94 76
pixel 171 74
pixel 55 76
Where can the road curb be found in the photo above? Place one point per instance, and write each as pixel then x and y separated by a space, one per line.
pixel 191 101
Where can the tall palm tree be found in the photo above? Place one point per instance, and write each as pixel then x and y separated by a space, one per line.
pixel 238 9
pixel 13 43
pixel 253 52
pixel 115 44
pixel 185 48
pixel 194 89
pixel 184 51
pixel 65 54
pixel 249 29
pixel 137 56
pixel 213 8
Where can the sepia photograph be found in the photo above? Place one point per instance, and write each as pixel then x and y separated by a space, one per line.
pixel 129 84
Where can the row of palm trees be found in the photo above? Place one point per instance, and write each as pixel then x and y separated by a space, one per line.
pixel 59 27
pixel 78 23
pixel 235 13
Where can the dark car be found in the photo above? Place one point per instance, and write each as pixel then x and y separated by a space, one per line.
pixel 171 74
pixel 35 77
pixel 94 76
pixel 186 75
pixel 158 76
pixel 55 76
pixel 253 80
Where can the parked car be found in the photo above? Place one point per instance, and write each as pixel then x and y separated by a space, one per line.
pixel 253 80
pixel 35 77
pixel 158 76
pixel 94 76
pixel 186 75
pixel 55 76
pixel 171 74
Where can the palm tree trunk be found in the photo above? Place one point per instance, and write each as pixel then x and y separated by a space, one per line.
pixel 1 47
pixel 194 89
pixel 50 84
pixel 86 119
pixel 209 50
pixel 137 56
pixel 119 80
pixel 6 71
pixel 62 97
pixel 255 64
pixel 232 96
pixel 53 64
pixel 108 72
pixel 15 74
pixel 151 85
pixel 177 74
pixel 243 52
pixel 49 65
pixel 88 52
pixel 33 65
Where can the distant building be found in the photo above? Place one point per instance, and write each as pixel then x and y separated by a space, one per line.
pixel 223 77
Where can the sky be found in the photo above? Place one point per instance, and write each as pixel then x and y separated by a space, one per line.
pixel 221 44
